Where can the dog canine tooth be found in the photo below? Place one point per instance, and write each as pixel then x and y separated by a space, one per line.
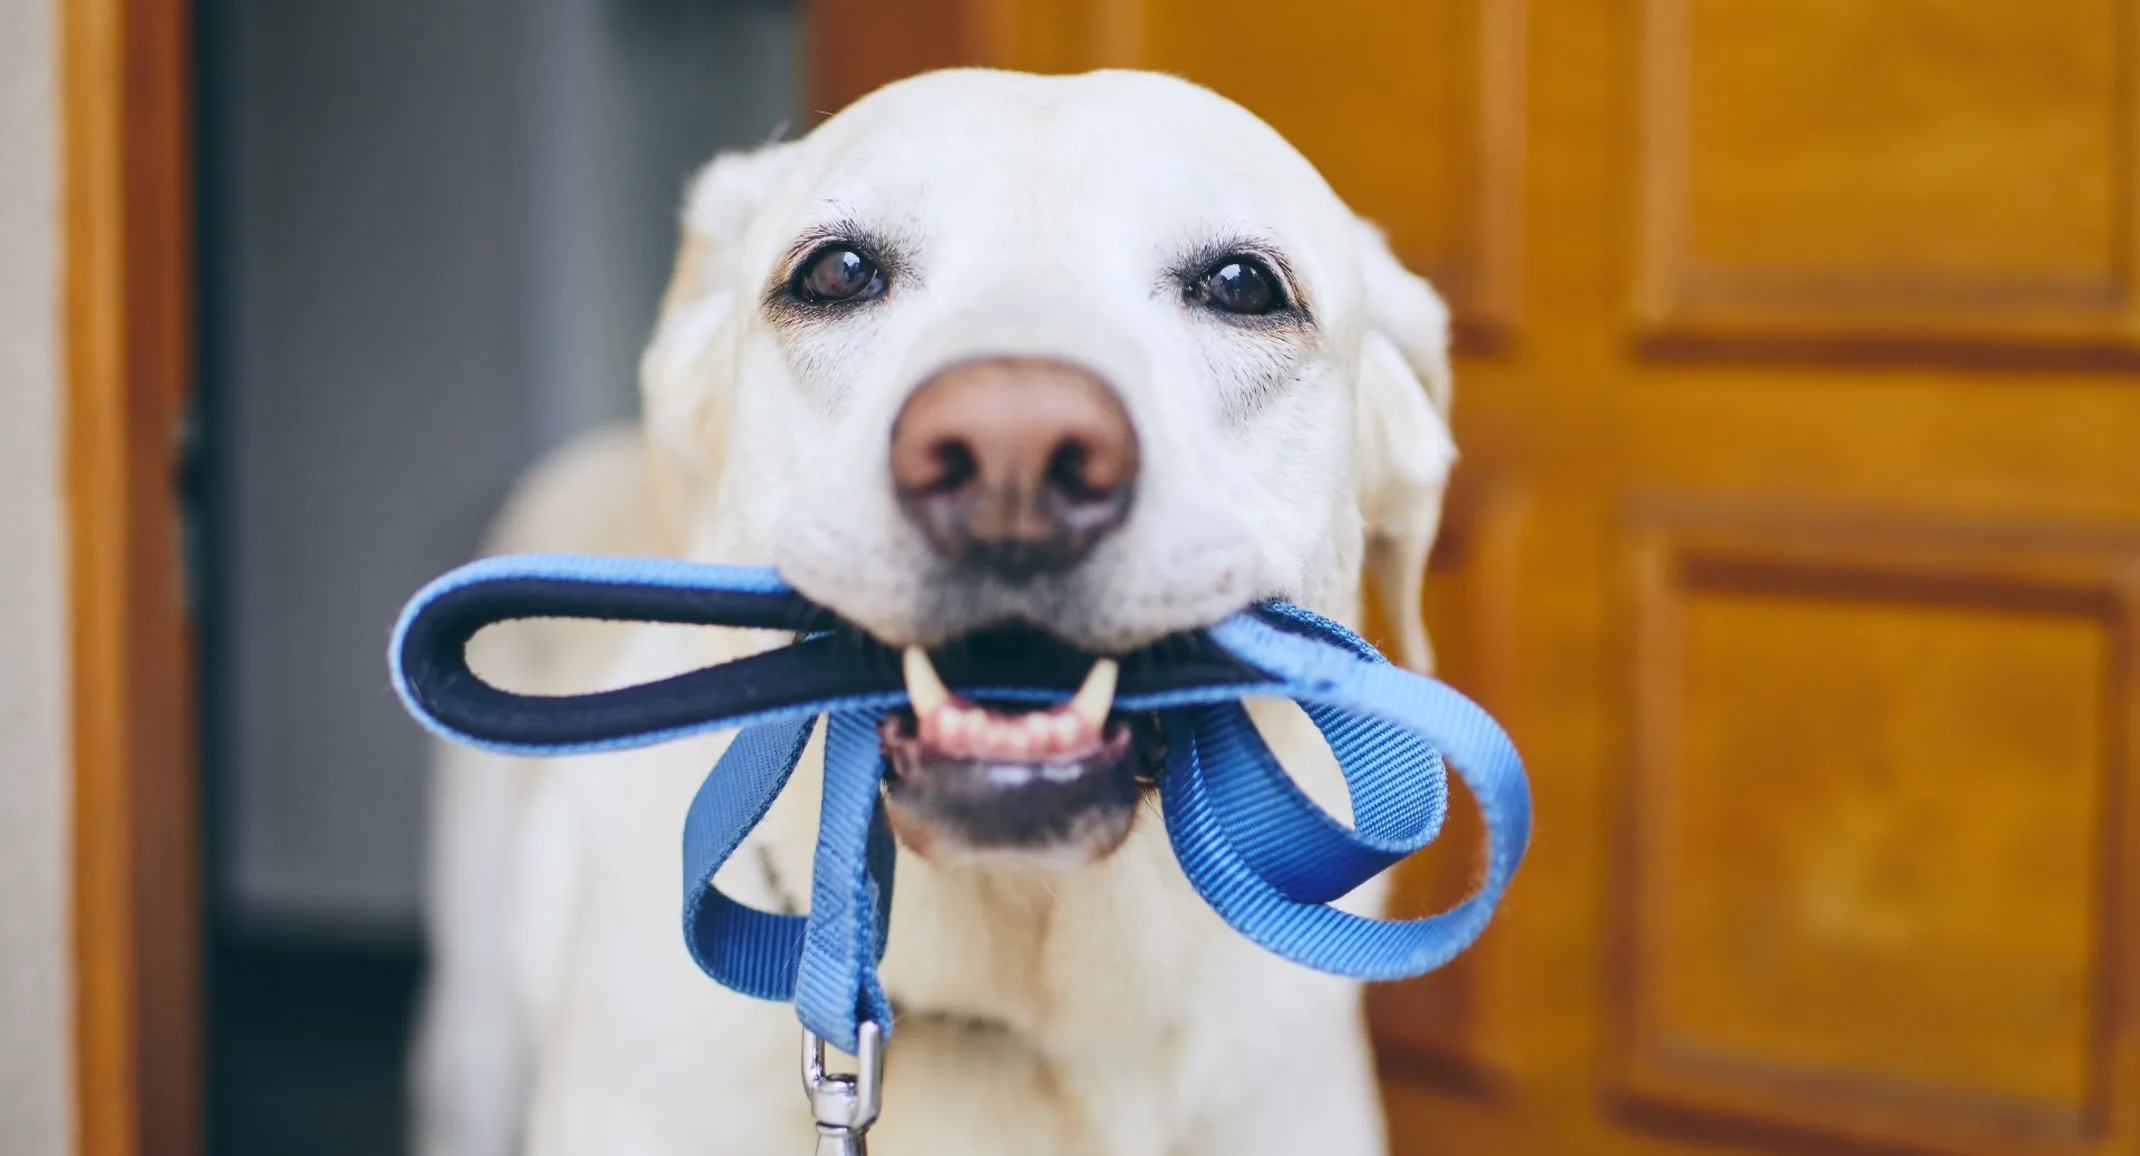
pixel 925 690
pixel 1097 696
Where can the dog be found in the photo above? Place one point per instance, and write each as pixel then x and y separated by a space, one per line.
pixel 1099 356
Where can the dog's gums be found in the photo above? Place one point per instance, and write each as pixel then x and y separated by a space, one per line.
pixel 968 780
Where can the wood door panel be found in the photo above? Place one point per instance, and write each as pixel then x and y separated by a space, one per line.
pixel 1836 893
pixel 1435 162
pixel 1972 181
pixel 1872 822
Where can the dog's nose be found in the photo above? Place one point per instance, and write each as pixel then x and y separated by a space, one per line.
pixel 1014 466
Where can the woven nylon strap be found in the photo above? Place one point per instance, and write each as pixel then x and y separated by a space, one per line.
pixel 1252 844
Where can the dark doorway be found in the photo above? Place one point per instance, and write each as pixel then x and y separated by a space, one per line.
pixel 431 239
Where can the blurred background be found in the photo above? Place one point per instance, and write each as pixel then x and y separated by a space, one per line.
pixel 1796 539
pixel 431 240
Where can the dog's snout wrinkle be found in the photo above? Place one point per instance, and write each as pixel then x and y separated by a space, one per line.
pixel 1014 466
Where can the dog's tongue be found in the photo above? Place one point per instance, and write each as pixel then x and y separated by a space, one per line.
pixel 956 728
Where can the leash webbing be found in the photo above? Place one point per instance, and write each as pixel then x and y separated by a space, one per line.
pixel 1252 844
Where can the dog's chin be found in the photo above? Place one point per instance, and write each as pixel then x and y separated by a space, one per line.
pixel 984 784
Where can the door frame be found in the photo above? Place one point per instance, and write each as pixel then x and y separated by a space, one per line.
pixel 127 341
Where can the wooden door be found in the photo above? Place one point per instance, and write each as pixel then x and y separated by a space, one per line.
pixel 1797 539
pixel 127 223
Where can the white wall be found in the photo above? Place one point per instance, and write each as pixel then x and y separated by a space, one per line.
pixel 35 1046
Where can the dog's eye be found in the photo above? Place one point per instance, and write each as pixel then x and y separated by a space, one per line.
pixel 837 273
pixel 1240 285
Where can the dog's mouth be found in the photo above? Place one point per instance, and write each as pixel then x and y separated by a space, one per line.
pixel 974 781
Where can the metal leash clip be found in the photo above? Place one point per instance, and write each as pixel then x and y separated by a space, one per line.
pixel 845 1105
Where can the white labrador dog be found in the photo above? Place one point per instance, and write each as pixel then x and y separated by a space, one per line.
pixel 1100 356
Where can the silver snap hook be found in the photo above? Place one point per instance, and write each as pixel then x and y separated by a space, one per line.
pixel 844 1105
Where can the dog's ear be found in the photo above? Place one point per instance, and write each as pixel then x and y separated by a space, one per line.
pixel 686 376
pixel 1402 443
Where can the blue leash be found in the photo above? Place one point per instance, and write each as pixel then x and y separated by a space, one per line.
pixel 1266 858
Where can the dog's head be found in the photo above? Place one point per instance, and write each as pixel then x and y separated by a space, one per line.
pixel 1097 357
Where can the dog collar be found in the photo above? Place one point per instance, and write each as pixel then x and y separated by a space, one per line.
pixel 1259 852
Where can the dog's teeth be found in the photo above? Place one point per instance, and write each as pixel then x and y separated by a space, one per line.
pixel 924 689
pixel 1047 740
pixel 1097 696
pixel 990 734
pixel 1065 728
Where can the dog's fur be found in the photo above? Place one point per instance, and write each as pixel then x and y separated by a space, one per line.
pixel 1100 1010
